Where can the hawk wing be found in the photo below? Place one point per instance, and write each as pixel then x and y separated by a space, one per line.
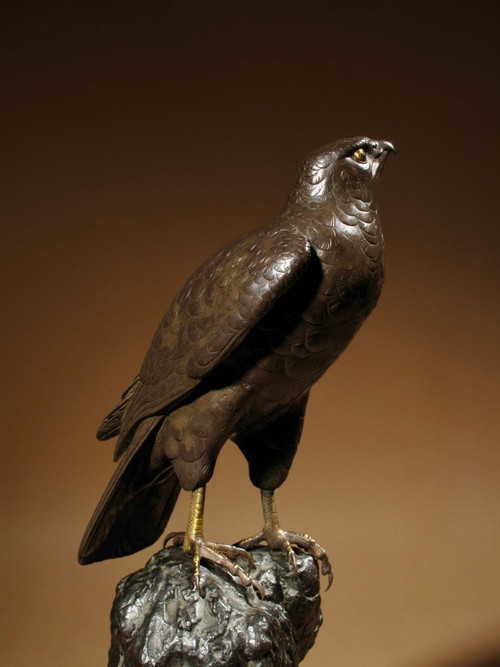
pixel 218 306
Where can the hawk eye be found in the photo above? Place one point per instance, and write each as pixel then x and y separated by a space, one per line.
pixel 359 155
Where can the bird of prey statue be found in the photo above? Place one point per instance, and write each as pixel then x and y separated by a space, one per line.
pixel 235 357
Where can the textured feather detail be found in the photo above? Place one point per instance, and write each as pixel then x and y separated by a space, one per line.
pixel 111 425
pixel 216 309
pixel 136 505
pixel 242 343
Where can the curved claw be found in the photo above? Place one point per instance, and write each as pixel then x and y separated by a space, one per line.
pixel 232 551
pixel 285 541
pixel 311 547
pixel 196 572
pixel 290 556
pixel 176 537
pixel 221 554
pixel 250 542
pixel 274 540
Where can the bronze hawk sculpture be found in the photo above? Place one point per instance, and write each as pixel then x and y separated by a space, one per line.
pixel 236 355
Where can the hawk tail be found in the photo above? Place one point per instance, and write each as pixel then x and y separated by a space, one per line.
pixel 136 505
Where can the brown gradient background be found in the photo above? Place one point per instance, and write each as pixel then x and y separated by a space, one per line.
pixel 142 136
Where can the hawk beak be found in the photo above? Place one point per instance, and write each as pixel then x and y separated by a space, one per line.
pixel 383 148
pixel 386 146
pixel 382 151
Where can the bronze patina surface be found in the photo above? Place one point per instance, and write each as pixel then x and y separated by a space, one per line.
pixel 235 357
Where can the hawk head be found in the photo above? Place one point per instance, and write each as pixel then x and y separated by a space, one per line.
pixel 346 170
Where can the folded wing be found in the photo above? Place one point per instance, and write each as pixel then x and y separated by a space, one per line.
pixel 215 310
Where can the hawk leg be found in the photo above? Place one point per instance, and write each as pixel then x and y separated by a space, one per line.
pixel 277 538
pixel 194 544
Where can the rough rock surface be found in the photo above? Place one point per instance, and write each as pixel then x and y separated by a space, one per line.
pixel 159 619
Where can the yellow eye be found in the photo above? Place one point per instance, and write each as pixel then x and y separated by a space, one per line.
pixel 359 155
